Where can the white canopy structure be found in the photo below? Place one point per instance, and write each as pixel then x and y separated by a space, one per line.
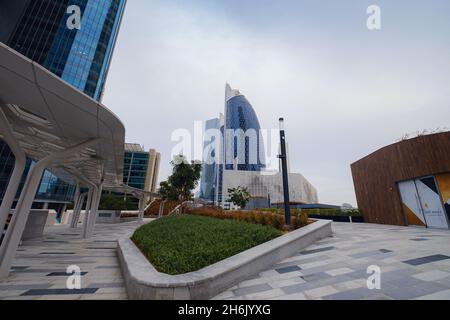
pixel 65 131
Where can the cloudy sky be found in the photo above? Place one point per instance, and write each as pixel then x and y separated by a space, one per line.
pixel 345 91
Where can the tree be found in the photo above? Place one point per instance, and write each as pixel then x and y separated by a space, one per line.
pixel 239 196
pixel 184 179
pixel 116 202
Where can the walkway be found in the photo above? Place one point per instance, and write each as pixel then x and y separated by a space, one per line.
pixel 415 264
pixel 39 269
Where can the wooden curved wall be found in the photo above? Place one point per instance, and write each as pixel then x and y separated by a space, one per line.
pixel 376 176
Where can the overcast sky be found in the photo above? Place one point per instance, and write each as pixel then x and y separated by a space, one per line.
pixel 345 91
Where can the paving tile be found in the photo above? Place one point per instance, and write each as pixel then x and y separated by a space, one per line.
pixel 105 296
pixel 252 289
pixel 405 282
pixel 288 269
pixel 107 285
pixel 399 293
pixel 427 259
pixel 315 276
pixel 320 292
pixel 354 294
pixel 286 282
pixel 265 295
pixel 338 272
pixel 370 253
pixel 307 252
pixel 63 274
pixel 19 287
pixel 295 296
pixel 432 275
pixel 57 253
pixel 47 292
pixel 441 295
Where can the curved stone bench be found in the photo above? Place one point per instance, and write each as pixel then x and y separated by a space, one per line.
pixel 144 282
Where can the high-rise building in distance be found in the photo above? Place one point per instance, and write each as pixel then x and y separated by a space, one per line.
pixel 208 183
pixel 244 147
pixel 141 168
pixel 238 160
pixel 41 31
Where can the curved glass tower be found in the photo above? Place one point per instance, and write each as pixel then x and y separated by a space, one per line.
pixel 244 146
pixel 39 30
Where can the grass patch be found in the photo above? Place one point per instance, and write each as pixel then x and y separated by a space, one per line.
pixel 181 244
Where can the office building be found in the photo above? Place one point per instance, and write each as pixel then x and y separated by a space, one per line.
pixel 209 166
pixel 39 30
pixel 141 168
pixel 238 159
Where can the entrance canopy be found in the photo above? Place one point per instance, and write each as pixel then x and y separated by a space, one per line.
pixel 47 115
pixel 65 131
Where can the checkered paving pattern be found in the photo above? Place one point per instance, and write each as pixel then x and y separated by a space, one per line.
pixel 39 271
pixel 414 262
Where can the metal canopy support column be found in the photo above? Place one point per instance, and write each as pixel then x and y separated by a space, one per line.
pixel 76 214
pixel 141 208
pixel 87 211
pixel 75 203
pixel 75 209
pixel 14 233
pixel 94 211
pixel 88 215
pixel 19 167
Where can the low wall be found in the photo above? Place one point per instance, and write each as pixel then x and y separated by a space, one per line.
pixel 104 216
pixel 108 216
pixel 36 222
pixel 144 282
pixel 51 218
pixel 357 219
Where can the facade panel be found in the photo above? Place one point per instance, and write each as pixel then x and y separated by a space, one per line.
pixel 80 57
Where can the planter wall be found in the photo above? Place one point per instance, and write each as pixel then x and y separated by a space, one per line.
pixel 338 218
pixel 144 282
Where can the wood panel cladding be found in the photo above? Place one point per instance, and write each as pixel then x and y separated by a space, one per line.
pixel 376 176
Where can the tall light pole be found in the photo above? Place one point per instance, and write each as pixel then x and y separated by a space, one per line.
pixel 283 157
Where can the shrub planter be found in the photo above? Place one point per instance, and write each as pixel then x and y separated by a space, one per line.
pixel 144 282
pixel 355 219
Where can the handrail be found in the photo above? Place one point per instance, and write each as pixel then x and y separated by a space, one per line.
pixel 179 207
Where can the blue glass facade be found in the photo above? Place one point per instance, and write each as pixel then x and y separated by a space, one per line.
pixel 135 169
pixel 38 29
pixel 80 57
pixel 241 145
pixel 209 177
pixel 244 146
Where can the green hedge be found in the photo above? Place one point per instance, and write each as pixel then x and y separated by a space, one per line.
pixel 319 212
pixel 185 243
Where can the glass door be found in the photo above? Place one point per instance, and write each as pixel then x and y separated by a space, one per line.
pixel 431 203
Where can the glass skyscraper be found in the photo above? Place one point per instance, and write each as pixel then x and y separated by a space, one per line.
pixel 208 181
pixel 241 149
pixel 141 168
pixel 244 147
pixel 39 30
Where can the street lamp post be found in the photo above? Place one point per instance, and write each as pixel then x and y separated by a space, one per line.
pixel 283 157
